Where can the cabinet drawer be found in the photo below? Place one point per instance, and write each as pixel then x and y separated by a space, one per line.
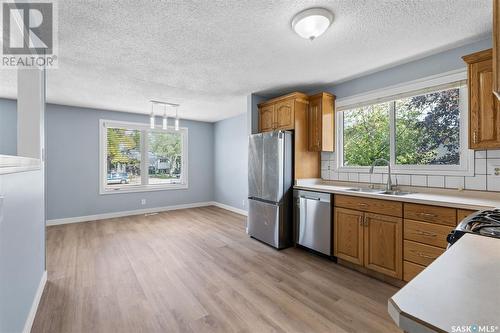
pixel 410 270
pixel 427 233
pixel 463 213
pixel 436 214
pixel 420 253
pixel 384 207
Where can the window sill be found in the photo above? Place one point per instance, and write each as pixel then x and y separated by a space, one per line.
pixel 143 188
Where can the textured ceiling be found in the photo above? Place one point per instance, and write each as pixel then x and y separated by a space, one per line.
pixel 209 55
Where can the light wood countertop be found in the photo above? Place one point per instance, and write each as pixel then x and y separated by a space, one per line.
pixel 460 288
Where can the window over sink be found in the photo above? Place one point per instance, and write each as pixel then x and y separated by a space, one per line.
pixel 418 130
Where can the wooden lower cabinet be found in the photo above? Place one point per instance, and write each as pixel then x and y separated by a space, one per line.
pixel 383 239
pixel 463 213
pixel 370 240
pixel 411 270
pixel 421 254
pixel 427 233
pixel 390 239
pixel 348 235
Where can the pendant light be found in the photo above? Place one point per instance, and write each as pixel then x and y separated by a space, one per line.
pixel 176 118
pixel 152 118
pixel 165 120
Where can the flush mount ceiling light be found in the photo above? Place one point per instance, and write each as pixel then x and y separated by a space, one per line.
pixel 312 23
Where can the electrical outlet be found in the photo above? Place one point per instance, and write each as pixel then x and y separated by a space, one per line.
pixel 243 203
pixel 143 201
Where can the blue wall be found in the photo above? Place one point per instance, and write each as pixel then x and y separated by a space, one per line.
pixel 72 150
pixel 431 65
pixel 231 166
pixel 8 127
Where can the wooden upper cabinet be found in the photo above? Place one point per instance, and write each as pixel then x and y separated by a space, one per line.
pixel 284 114
pixel 289 112
pixel 321 122
pixel 484 111
pixel 266 118
pixel 383 244
pixel 279 113
pixel 348 235
pixel 496 48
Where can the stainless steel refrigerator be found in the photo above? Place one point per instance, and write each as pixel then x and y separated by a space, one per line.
pixel 270 188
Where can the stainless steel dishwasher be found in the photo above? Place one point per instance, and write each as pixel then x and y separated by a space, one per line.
pixel 313 218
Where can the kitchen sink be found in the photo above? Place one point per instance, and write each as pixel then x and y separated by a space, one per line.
pixel 365 190
pixel 377 191
pixel 394 193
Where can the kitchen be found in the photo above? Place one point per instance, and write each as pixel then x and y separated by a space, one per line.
pixel 253 167
pixel 401 226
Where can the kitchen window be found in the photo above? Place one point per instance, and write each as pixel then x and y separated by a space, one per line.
pixel 134 157
pixel 420 130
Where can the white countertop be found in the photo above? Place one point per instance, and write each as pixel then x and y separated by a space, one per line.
pixel 13 164
pixel 473 200
pixel 460 288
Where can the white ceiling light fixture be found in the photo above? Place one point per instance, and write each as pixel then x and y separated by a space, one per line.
pixel 312 23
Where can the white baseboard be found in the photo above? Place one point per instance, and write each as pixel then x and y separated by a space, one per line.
pixel 231 208
pixel 34 306
pixel 125 213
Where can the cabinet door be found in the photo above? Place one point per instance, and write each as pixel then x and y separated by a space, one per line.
pixel 284 113
pixel 496 48
pixel 348 235
pixel 314 124
pixel 383 244
pixel 484 112
pixel 266 118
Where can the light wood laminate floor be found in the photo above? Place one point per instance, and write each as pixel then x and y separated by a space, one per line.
pixel 196 270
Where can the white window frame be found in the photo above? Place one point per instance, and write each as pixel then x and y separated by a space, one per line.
pixel 143 187
pixel 466 166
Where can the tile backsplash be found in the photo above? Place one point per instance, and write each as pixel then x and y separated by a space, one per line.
pixel 486 174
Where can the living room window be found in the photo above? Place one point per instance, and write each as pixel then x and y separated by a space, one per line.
pixel 134 157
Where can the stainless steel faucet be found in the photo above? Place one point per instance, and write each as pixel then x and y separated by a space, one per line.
pixel 388 187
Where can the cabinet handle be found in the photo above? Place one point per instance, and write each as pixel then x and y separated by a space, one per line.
pixel 360 219
pixel 366 221
pixel 425 233
pixel 427 214
pixel 423 255
pixel 361 204
pixel 474 137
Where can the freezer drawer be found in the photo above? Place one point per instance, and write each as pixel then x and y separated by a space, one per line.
pixel 314 221
pixel 267 222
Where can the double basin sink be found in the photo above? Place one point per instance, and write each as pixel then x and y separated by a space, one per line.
pixel 377 191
